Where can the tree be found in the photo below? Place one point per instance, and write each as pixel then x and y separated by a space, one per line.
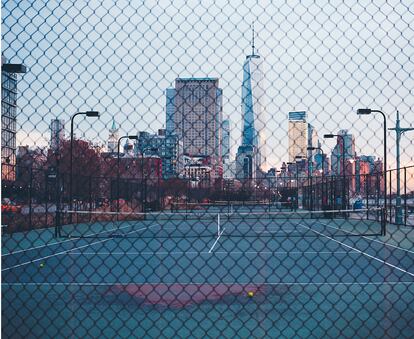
pixel 87 165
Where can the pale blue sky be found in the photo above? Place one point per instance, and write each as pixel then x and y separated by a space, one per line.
pixel 326 57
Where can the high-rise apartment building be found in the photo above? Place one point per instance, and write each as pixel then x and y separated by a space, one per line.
pixel 57 133
pixel 198 119
pixel 9 118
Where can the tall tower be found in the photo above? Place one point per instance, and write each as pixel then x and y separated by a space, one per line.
pixel 251 155
pixel 113 138
pixel 298 135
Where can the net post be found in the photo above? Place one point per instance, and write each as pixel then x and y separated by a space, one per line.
pixel 383 222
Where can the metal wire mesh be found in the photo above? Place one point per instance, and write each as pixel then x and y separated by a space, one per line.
pixel 195 169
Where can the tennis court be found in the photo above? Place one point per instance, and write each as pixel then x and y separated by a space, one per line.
pixel 266 276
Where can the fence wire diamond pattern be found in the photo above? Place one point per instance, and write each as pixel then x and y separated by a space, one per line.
pixel 195 169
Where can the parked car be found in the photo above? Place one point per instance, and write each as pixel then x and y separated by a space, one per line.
pixel 357 203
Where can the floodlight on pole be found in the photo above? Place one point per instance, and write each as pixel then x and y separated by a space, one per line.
pixel 14 68
pixel 399 131
pixel 131 137
pixel 331 136
pixel 367 111
pixel 88 114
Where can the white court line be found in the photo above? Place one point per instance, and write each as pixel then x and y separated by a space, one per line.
pixel 69 250
pixel 261 283
pixel 216 252
pixel 362 252
pixel 61 242
pixel 211 249
pixel 368 238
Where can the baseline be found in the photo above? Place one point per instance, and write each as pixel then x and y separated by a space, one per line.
pixel 369 238
pixel 60 242
pixel 361 252
pixel 67 251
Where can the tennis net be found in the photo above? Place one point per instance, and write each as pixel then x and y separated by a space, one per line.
pixel 197 223
pixel 236 206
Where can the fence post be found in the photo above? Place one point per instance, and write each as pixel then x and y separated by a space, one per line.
pixel 405 196
pixel 30 197
pixel 390 200
pixel 367 184
pixel 46 196
pixel 57 212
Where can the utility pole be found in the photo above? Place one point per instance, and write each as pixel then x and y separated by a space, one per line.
pixel 399 131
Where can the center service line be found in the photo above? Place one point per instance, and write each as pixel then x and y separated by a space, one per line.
pixel 211 249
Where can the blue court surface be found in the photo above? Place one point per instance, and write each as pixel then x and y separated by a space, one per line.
pixel 306 282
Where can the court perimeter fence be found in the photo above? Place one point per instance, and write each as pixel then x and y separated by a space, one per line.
pixel 221 169
pixel 35 195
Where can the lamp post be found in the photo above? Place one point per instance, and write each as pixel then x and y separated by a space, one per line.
pixel 297 179
pixel 367 111
pixel 323 156
pixel 144 186
pixel 323 171
pixel 331 136
pixel 399 131
pixel 131 137
pixel 88 114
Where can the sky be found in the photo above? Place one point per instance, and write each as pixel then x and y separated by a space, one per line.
pixel 328 58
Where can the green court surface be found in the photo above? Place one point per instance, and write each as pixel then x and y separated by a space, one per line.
pixel 302 278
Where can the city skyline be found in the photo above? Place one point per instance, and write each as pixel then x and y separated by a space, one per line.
pixel 202 168
pixel 319 87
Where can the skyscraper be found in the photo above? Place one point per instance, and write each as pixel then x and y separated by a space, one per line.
pixel 169 110
pixel 225 143
pixel 298 135
pixel 198 119
pixel 8 118
pixel 340 147
pixel 57 133
pixel 251 155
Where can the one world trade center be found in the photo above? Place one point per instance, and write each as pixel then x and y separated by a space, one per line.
pixel 251 155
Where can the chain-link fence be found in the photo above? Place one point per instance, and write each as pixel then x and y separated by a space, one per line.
pixel 195 169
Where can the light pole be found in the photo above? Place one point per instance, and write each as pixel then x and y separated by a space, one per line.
pixel 323 156
pixel 88 114
pixel 297 179
pixel 399 131
pixel 323 171
pixel 131 137
pixel 367 111
pixel 144 186
pixel 331 136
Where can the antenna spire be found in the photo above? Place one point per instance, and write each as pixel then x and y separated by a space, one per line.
pixel 253 38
